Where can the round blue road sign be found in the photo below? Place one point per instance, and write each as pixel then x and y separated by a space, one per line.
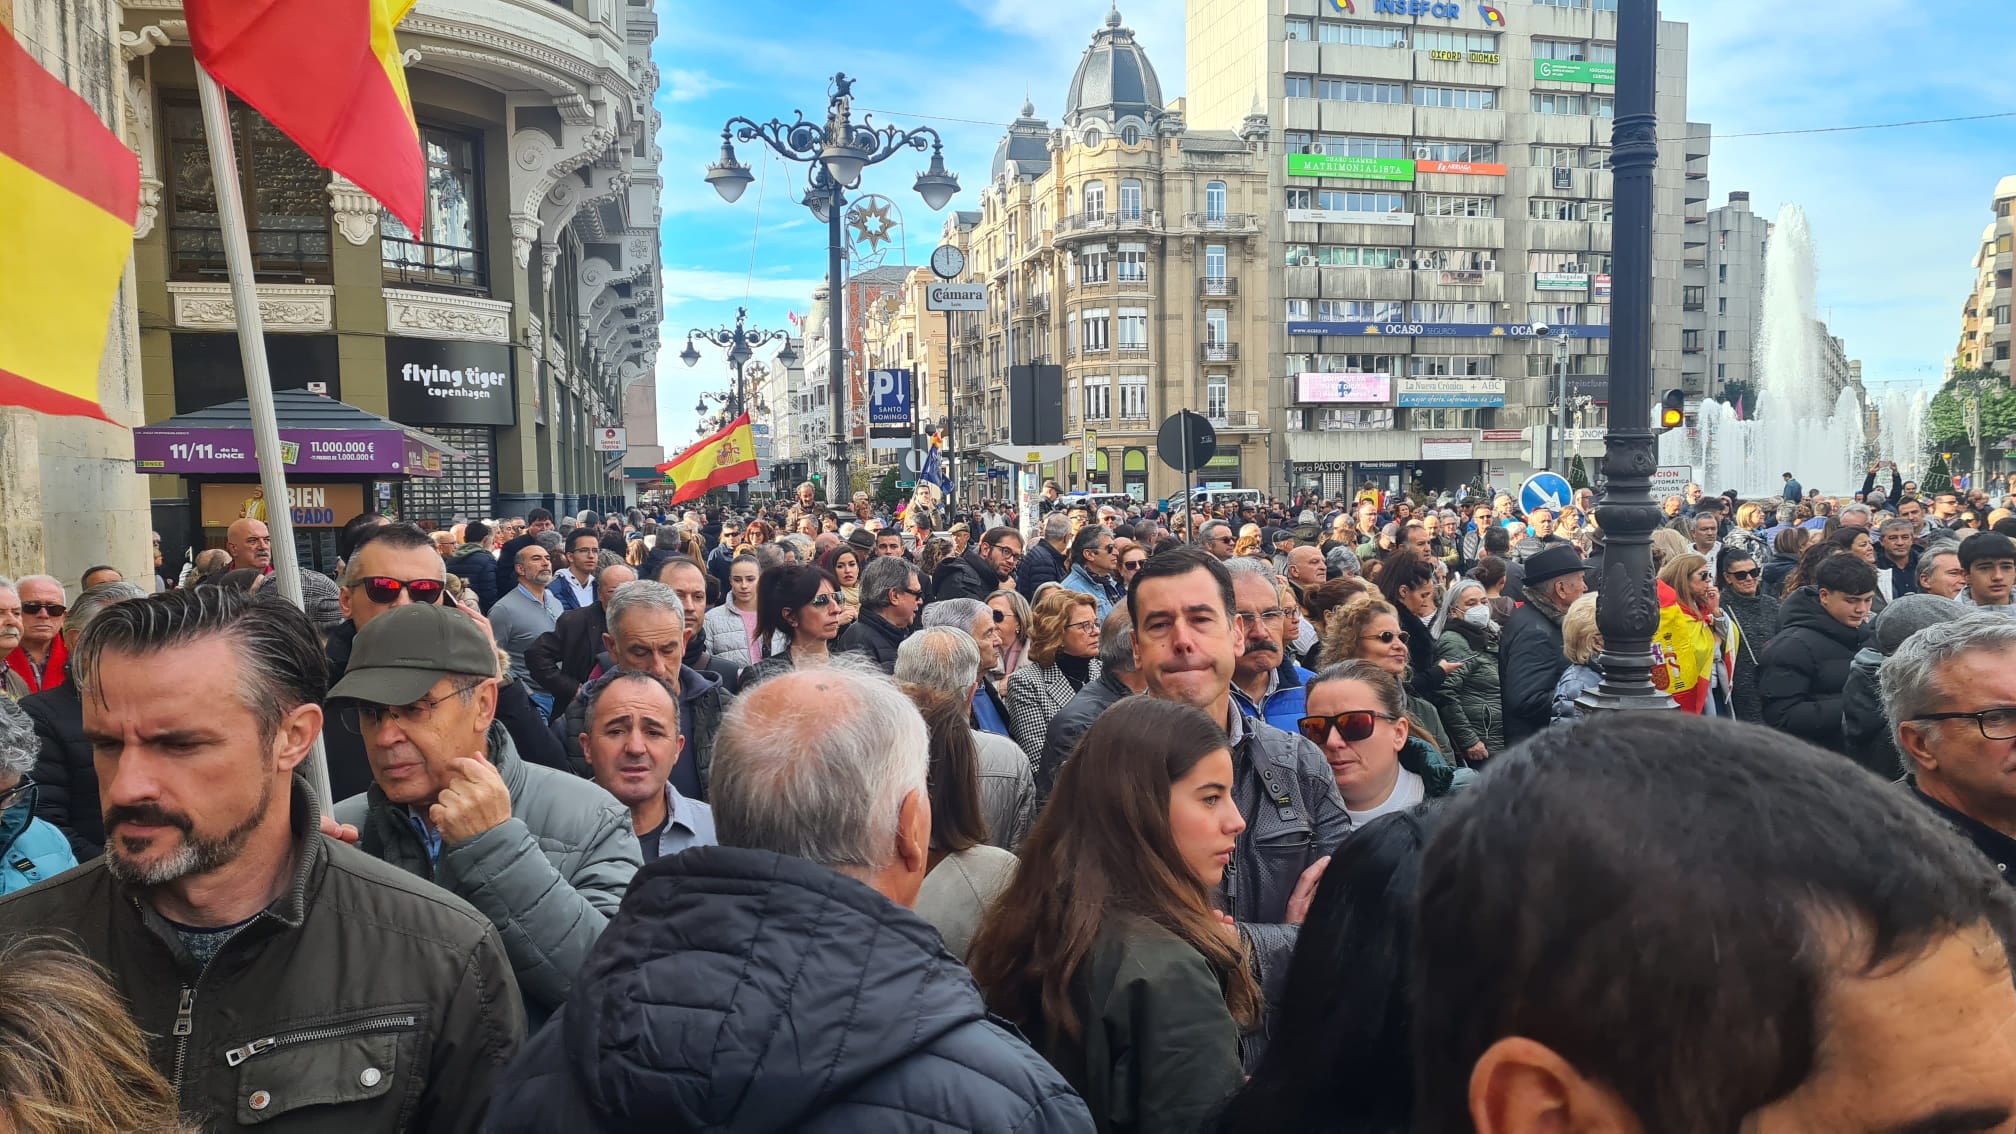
pixel 1545 490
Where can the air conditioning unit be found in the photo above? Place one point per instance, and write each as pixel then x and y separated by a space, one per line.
pixel 1306 262
pixel 1487 265
pixel 1403 264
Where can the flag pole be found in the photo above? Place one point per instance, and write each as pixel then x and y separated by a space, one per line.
pixel 258 379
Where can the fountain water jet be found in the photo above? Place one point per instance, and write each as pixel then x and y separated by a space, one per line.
pixel 1800 427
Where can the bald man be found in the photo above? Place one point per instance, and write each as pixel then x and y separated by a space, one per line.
pixel 249 545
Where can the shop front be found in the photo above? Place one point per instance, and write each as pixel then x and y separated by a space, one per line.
pixel 340 462
pixel 462 393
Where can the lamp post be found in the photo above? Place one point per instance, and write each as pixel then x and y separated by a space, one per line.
pixel 739 341
pixel 837 154
pixel 1627 607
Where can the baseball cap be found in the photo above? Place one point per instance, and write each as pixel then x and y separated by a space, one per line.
pixel 406 651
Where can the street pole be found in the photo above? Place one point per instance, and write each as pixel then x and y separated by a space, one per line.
pixel 951 423
pixel 1561 392
pixel 837 488
pixel 1627 608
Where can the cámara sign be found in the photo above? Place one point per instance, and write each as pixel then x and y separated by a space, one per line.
pixel 447 382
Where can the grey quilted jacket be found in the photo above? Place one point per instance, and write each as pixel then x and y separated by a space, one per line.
pixel 549 878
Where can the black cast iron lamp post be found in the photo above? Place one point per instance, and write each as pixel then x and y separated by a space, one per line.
pixel 739 342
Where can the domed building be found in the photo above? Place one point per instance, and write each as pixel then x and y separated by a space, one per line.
pixel 1129 250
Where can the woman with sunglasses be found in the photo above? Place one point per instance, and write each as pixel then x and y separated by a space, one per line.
pixel 1357 715
pixel 800 603
pixel 1754 612
pixel 31 849
pixel 1368 629
pixel 1105 948
pixel 1063 656
pixel 844 564
pixel 1014 625
pixel 1694 649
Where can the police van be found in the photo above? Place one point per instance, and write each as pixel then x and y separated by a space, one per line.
pixel 1216 497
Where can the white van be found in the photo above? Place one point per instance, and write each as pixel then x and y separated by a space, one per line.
pixel 1215 497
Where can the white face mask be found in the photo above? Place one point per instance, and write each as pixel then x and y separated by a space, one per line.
pixel 1479 615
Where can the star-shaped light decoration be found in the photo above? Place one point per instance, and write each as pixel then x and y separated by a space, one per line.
pixel 872 224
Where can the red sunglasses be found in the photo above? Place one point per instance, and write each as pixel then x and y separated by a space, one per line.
pixel 1353 726
pixel 384 589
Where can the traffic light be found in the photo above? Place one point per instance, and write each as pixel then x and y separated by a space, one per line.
pixel 1673 409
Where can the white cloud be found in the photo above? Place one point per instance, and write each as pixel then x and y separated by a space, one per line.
pixel 714 285
pixel 687 86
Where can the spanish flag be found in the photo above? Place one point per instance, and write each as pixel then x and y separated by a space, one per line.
pixel 328 74
pixel 725 458
pixel 69 191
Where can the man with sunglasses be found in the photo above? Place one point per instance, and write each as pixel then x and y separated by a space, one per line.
pixel 525 612
pixel 546 856
pixel 892 594
pixel 37 662
pixel 1950 690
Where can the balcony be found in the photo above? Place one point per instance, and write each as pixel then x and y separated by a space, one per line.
pixel 1218 352
pixel 1132 350
pixel 1209 286
pixel 970 337
pixel 1222 222
pixel 1079 223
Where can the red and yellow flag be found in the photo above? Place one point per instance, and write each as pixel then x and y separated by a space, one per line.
pixel 69 190
pixel 326 73
pixel 724 458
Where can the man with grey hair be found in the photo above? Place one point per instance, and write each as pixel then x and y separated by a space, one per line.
pixel 1856 516
pixel 824 818
pixel 1117 678
pixel 66 776
pixel 12 684
pixel 31 848
pixel 1215 536
pixel 38 659
pixel 983 624
pixel 1044 561
pixel 1939 571
pixel 945 661
pixel 1950 693
pixel 892 593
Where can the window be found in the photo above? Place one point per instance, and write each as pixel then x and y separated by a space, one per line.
pixel 1690 339
pixel 1298 310
pixel 1134 397
pixel 1449 365
pixel 1596 157
pixel 1426 39
pixel 1440 205
pixel 1596 315
pixel 1721 371
pixel 1693 298
pixel 1566 49
pixel 1098 398
pixel 1130 200
pixel 1557 157
pixel 1130 135
pixel 287 199
pixel 1301 199
pixel 1355 146
pixel 1371 310
pixel 1355 256
pixel 1362 35
pixel 1296 142
pixel 1297 86
pixel 1131 329
pixel 1557 261
pixel 1092 266
pixel 1603 106
pixel 450 254
pixel 1456 98
pixel 1093 138
pixel 1342 418
pixel 1214 261
pixel 1215 327
pixel 1564 3
pixel 2001 314
pixel 1558 102
pixel 1559 314
pixel 1132 264
pixel 1092 329
pixel 1095 201
pixel 1217 397
pixel 1603 53
pixel 1555 208
pixel 1214 201
pixel 1452 313
pixel 1456 259
pixel 1721 273
pixel 1301 29
pixel 1352 90
pixel 1441 419
pixel 1299 256
pixel 1456 151
pixel 1353 201
pixel 1721 340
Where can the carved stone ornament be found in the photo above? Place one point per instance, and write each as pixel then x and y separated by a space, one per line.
pixel 356 212
pixel 427 315
pixel 297 308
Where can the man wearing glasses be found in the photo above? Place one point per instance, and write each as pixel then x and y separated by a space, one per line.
pixel 1265 682
pixel 544 855
pixel 1216 537
pixel 891 595
pixel 37 661
pixel 575 586
pixel 1951 689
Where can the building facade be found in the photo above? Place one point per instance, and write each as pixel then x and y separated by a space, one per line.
pixel 1733 298
pixel 1438 187
pixel 1984 316
pixel 1126 248
pixel 521 322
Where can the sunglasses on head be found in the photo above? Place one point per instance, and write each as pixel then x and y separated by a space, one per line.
pixel 1353 726
pixel 384 589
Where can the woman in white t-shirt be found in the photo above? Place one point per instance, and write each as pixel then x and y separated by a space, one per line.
pixel 1357 715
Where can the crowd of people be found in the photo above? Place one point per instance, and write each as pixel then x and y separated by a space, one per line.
pixel 836 819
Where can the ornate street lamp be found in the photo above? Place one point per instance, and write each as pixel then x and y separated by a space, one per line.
pixel 739 341
pixel 837 153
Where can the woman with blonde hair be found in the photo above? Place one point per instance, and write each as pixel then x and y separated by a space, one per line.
pixel 1695 645
pixel 1249 542
pixel 1582 645
pixel 1748 534
pixel 72 1061
pixel 1063 656
pixel 1014 627
pixel 1666 543
pixel 1368 629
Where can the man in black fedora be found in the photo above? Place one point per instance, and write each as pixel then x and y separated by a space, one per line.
pixel 1530 660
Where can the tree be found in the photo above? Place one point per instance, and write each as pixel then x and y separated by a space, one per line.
pixel 886 493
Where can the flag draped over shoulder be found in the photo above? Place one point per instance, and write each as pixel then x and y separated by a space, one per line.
pixel 717 460
pixel 326 73
pixel 69 191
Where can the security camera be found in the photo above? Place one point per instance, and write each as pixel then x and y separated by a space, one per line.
pixel 1542 329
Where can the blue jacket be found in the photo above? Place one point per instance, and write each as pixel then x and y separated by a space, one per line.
pixel 1288 703
pixel 478 568
pixel 31 850
pixel 1081 581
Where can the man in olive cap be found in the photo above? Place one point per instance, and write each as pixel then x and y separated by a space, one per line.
pixel 545 855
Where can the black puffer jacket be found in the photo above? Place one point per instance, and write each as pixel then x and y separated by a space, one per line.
pixel 1530 663
pixel 1756 618
pixel 1041 564
pixel 67 797
pixel 965 576
pixel 1800 675
pixel 743 990
pixel 1865 728
pixel 872 637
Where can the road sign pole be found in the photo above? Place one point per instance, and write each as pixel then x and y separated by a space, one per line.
pixel 1189 514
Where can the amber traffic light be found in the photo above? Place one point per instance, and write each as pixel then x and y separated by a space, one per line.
pixel 1672 409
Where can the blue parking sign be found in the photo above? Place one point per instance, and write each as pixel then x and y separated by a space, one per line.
pixel 889 397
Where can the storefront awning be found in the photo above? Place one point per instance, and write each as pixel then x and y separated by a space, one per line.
pixel 319 436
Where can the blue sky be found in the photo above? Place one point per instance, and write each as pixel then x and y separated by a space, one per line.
pixel 1896 213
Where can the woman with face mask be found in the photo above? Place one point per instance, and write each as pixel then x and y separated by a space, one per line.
pixel 1469 699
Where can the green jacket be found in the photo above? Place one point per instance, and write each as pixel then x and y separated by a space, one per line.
pixel 361 999
pixel 1157 1051
pixel 1473 710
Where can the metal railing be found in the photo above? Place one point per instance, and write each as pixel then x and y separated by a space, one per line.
pixel 1218 352
pixel 1222 222
pixel 417 262
pixel 277 253
pixel 1218 285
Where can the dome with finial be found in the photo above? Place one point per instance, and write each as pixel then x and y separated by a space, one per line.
pixel 1115 81
pixel 1027 144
